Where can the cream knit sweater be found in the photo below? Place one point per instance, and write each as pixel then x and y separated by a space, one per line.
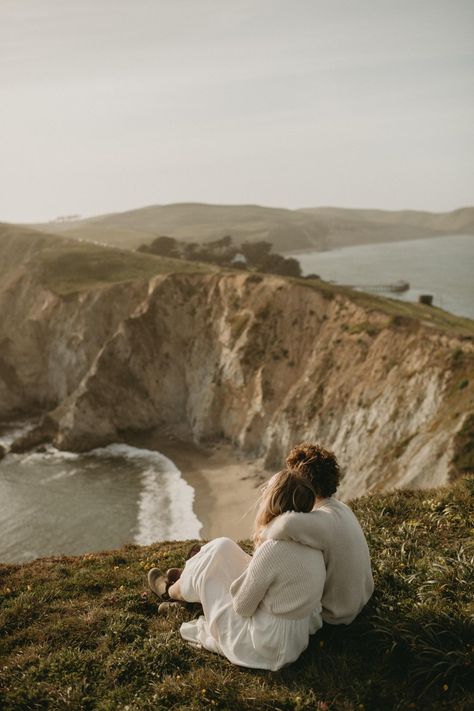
pixel 284 578
pixel 334 529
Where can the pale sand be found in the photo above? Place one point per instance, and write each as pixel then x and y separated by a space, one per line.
pixel 226 484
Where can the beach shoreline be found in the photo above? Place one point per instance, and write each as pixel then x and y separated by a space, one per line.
pixel 226 484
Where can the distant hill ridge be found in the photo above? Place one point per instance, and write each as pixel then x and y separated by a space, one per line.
pixel 319 228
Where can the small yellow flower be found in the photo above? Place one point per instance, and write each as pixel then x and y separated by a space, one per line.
pixel 445 687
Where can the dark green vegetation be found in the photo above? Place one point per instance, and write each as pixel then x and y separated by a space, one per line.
pixel 254 256
pixel 84 633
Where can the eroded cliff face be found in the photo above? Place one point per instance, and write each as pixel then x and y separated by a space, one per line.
pixel 260 361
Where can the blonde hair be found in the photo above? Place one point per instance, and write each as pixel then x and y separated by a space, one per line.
pixel 287 490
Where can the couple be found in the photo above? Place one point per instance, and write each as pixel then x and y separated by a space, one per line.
pixel 311 565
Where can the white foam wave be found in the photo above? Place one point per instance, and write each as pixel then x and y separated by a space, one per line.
pixel 165 506
pixel 63 474
pixel 14 431
pixel 49 453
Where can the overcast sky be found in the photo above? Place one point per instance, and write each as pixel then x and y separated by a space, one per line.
pixel 108 105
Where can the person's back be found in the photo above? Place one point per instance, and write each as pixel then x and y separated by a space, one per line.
pixel 333 529
pixel 284 578
pixel 259 611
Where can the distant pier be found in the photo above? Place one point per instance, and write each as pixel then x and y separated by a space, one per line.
pixel 397 287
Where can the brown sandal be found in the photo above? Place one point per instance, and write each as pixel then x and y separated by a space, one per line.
pixel 158 583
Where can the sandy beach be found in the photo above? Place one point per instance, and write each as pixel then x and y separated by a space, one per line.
pixel 226 484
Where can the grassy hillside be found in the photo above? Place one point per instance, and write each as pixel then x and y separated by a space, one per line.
pixel 287 230
pixel 83 633
pixel 461 220
pixel 66 267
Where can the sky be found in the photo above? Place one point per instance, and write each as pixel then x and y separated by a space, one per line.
pixel 109 105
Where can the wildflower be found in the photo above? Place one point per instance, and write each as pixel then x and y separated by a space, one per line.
pixel 445 687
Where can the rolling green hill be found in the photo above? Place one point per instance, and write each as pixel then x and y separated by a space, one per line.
pixel 66 266
pixel 288 230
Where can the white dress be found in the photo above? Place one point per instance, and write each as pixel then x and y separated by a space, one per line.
pixel 265 621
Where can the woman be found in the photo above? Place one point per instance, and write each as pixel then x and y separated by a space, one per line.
pixel 258 611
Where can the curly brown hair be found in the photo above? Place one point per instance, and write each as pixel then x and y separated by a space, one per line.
pixel 318 464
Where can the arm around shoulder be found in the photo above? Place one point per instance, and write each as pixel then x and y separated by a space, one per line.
pixel 305 528
pixel 249 589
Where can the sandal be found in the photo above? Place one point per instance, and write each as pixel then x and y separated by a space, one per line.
pixel 159 583
pixel 173 574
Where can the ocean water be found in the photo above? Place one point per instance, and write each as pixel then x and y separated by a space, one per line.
pixel 442 266
pixel 63 503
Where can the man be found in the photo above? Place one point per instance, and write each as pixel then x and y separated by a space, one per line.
pixel 332 528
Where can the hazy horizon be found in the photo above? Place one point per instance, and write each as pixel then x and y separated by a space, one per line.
pixel 77 216
pixel 113 105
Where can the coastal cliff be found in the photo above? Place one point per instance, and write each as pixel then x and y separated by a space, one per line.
pixel 259 361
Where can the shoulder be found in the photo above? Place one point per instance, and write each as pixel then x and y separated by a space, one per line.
pixel 333 505
pixel 267 548
pixel 271 550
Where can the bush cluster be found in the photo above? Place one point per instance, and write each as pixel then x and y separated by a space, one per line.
pixel 256 256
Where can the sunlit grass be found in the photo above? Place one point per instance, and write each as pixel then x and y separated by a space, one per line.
pixel 83 632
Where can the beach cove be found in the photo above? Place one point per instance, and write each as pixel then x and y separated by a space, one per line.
pixel 139 491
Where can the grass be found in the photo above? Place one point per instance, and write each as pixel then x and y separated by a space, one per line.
pixel 400 314
pixel 83 633
pixel 79 267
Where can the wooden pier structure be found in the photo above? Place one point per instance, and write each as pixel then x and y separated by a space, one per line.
pixel 397 287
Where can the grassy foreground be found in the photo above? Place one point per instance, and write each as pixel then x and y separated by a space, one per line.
pixel 83 633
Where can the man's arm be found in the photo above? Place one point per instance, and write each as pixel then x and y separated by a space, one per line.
pixel 249 589
pixel 306 528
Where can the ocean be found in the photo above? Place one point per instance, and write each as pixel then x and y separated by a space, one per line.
pixel 63 503
pixel 441 266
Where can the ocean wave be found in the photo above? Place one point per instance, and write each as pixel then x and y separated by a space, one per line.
pixel 165 506
pixel 165 502
pixel 14 430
